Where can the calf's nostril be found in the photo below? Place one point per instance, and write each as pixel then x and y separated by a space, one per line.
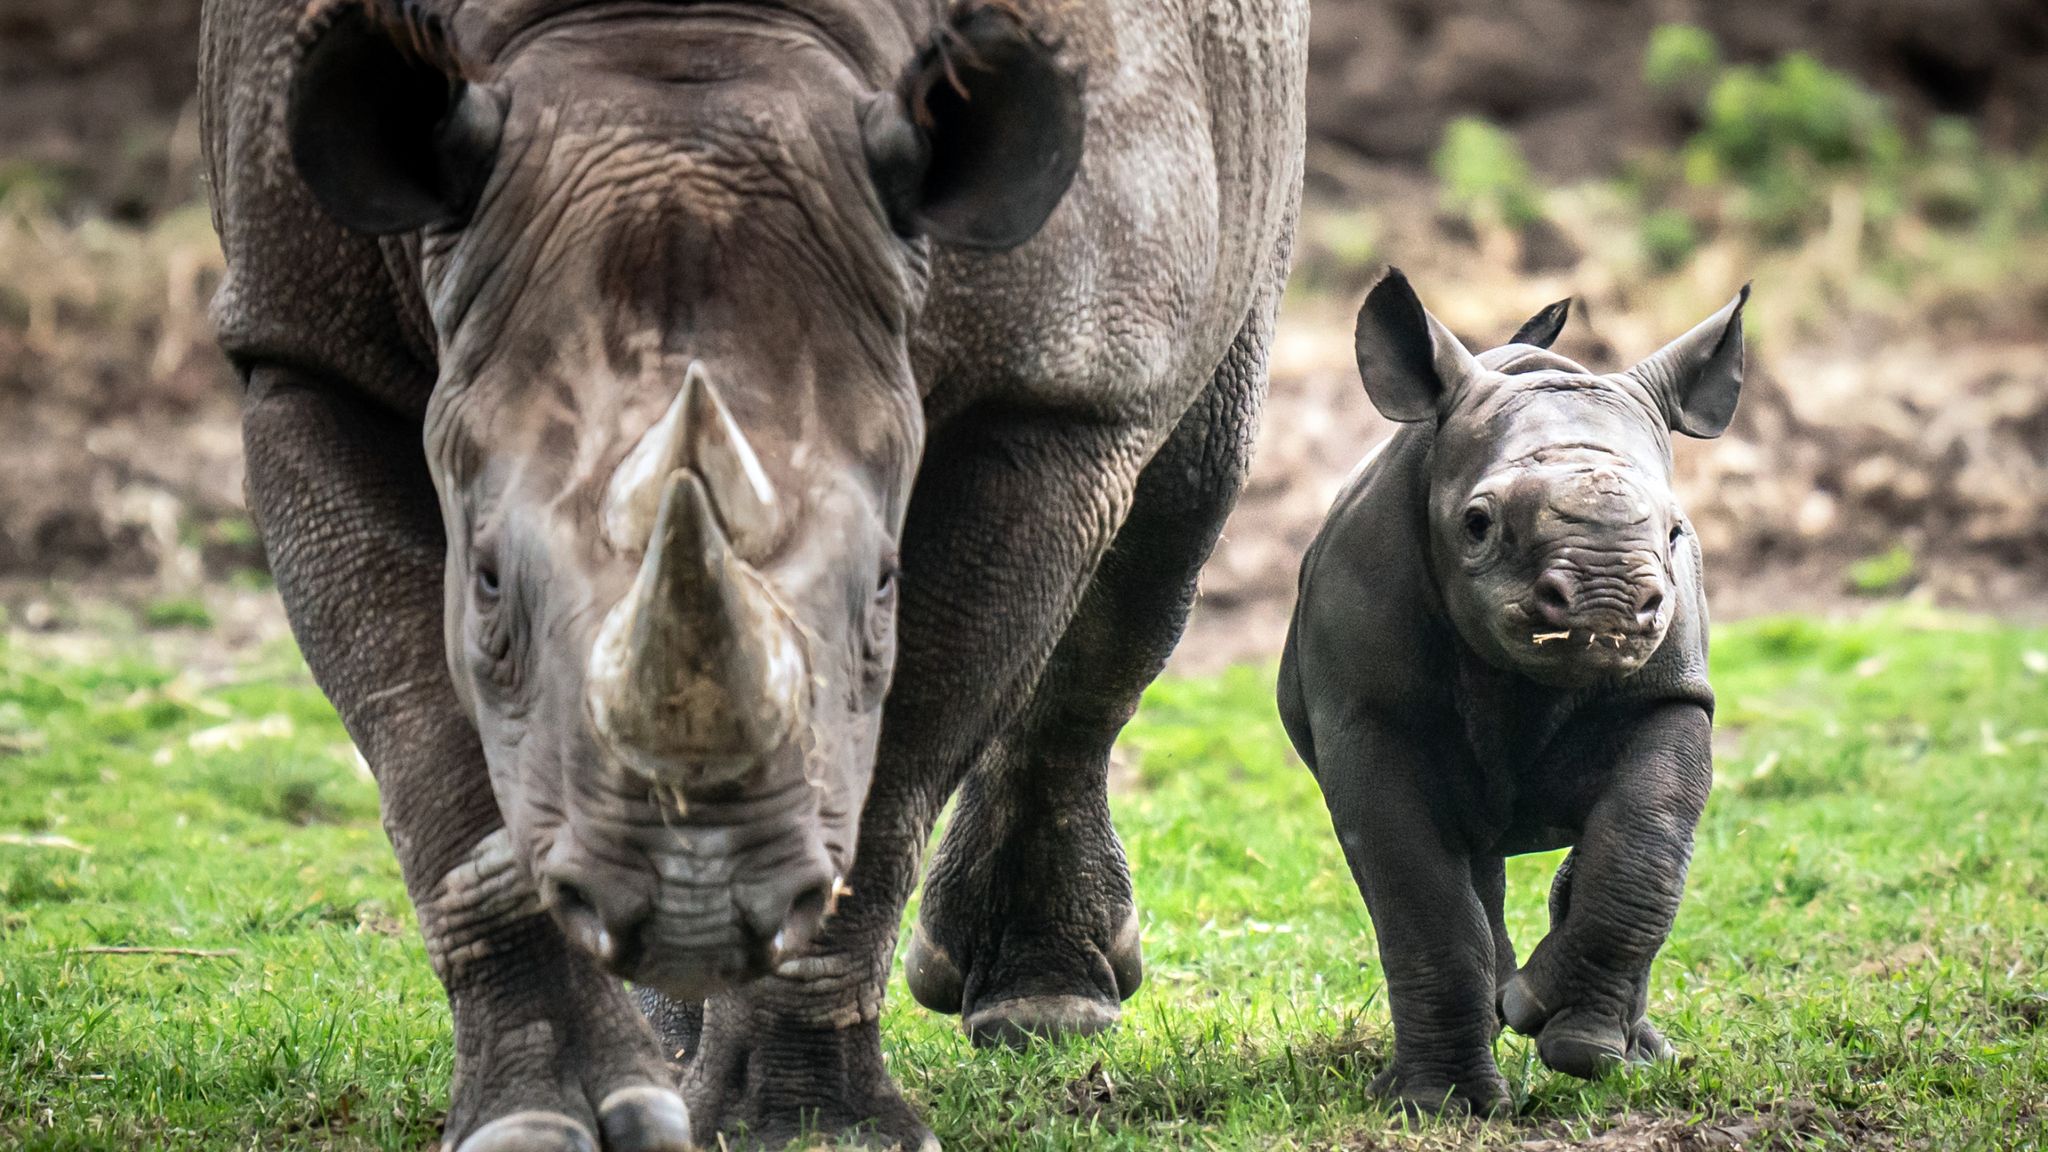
pixel 1649 603
pixel 1554 598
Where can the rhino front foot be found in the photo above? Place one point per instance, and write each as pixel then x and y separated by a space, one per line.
pixel 1423 1092
pixel 584 1080
pixel 636 1119
pixel 550 1054
pixel 1027 929
pixel 765 1075
pixel 1059 985
pixel 1581 1041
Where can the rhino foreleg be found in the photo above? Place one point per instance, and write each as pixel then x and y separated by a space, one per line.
pixel 549 1053
pixel 1027 926
pixel 1585 988
pixel 1434 927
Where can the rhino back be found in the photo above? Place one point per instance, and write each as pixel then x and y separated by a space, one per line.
pixel 1177 228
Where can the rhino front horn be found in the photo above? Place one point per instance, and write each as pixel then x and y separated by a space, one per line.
pixel 697 674
pixel 697 433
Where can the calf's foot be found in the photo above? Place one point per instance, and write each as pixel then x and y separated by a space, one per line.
pixel 1477 1090
pixel 798 1055
pixel 1587 1040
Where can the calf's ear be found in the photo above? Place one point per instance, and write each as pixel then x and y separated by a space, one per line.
pixel 982 135
pixel 1410 363
pixel 1542 329
pixel 1698 377
pixel 382 126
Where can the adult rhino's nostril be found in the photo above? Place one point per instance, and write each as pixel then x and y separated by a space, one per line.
pixel 786 916
pixel 1649 602
pixel 582 922
pixel 1554 590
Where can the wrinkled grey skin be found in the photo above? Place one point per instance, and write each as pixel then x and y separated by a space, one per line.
pixel 1500 646
pixel 995 475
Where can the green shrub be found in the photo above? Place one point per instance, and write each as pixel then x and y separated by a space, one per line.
pixel 1882 574
pixel 1484 174
pixel 177 613
pixel 1757 119
pixel 1669 238
pixel 1682 58
pixel 1786 134
pixel 1952 187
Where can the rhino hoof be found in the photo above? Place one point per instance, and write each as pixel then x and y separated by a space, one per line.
pixel 530 1132
pixel 1521 1008
pixel 1127 957
pixel 1016 1023
pixel 1582 1045
pixel 644 1119
pixel 1646 1045
pixel 1484 1096
pixel 934 979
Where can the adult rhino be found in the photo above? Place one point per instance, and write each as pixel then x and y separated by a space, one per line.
pixel 633 387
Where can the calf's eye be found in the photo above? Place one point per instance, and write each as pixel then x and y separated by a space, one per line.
pixel 1477 524
pixel 487 580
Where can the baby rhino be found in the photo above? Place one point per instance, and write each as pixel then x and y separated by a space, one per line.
pixel 1500 647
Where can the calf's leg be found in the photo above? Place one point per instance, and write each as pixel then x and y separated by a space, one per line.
pixel 1585 987
pixel 1436 938
pixel 1027 926
pixel 550 1055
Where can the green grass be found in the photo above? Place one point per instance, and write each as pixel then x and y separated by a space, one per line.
pixel 1862 949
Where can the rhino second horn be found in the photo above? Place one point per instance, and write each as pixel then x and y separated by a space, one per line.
pixel 696 433
pixel 696 674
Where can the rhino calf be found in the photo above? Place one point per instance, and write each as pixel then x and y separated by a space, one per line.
pixel 1499 647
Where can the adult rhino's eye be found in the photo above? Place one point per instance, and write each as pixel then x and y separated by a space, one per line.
pixel 882 613
pixel 1478 524
pixel 1677 531
pixel 879 639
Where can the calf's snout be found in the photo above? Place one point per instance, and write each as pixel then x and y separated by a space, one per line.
pixel 1566 600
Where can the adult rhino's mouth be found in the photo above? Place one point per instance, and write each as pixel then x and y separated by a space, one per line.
pixel 689 901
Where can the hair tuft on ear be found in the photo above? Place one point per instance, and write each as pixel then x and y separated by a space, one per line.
pixel 1543 329
pixel 990 133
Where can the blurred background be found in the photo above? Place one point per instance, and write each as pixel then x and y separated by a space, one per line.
pixel 1878 167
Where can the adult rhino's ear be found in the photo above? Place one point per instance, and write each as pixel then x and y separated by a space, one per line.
pixel 383 128
pixel 1698 377
pixel 1407 359
pixel 1541 330
pixel 981 136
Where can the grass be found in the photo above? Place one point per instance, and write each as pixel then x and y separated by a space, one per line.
pixel 1860 957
